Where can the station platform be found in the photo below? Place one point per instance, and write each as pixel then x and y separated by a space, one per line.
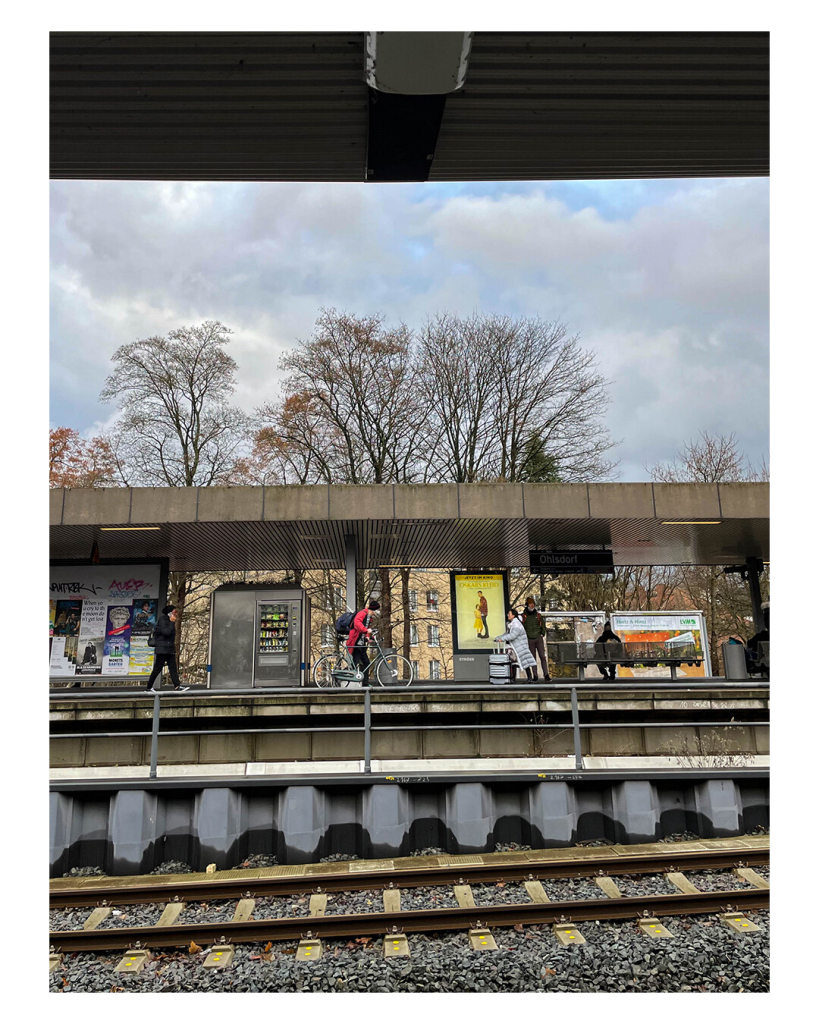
pixel 208 730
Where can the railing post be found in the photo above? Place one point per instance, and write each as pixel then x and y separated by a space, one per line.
pixel 367 724
pixel 154 735
pixel 578 754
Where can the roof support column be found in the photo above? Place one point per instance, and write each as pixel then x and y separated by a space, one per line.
pixel 754 569
pixel 350 564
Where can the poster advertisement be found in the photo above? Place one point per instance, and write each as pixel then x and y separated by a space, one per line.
pixel 52 613
pixel 59 664
pixel 479 605
pixel 144 617
pixel 67 618
pixel 116 650
pixel 141 657
pixel 143 621
pixel 90 656
pixel 678 631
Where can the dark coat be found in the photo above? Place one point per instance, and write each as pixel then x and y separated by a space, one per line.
pixel 165 633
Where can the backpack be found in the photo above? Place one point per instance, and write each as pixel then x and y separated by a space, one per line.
pixel 344 623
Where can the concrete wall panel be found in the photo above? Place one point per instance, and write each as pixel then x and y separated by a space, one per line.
pixel 556 501
pixel 288 503
pixel 683 501
pixel 491 501
pixel 347 501
pixel 55 506
pixel 163 505
pixel 283 747
pixel 745 500
pixel 230 504
pixel 451 743
pixel 106 505
pixel 426 501
pixel 225 749
pixel 621 501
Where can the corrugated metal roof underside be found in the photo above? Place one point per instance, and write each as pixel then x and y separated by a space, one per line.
pixel 209 106
pixel 465 543
pixel 608 105
pixel 287 106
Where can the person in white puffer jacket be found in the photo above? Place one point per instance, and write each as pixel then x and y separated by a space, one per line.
pixel 516 637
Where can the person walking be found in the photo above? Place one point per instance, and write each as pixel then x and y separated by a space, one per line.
pixel 535 632
pixel 607 669
pixel 358 637
pixel 483 610
pixel 516 637
pixel 165 648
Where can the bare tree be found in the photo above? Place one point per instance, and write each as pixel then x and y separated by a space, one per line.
pixel 351 384
pixel 348 413
pixel 713 458
pixel 176 428
pixel 502 393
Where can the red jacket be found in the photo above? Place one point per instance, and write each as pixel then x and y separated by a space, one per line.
pixel 360 624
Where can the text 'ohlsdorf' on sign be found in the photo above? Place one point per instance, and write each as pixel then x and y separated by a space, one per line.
pixel 566 562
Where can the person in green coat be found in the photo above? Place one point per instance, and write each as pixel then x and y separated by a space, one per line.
pixel 535 632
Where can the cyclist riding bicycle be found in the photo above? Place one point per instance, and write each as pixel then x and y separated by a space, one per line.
pixel 359 636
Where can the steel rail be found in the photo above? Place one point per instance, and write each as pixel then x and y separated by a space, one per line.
pixel 408 877
pixel 438 920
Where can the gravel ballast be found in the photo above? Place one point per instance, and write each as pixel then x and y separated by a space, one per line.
pixel 496 895
pixel 645 885
pixel 258 860
pixel 281 906
pixel 703 955
pixel 172 867
pixel 213 911
pixel 83 872
pixel 714 880
pixel 559 889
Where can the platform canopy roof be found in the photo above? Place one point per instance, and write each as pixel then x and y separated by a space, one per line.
pixel 268 106
pixel 467 526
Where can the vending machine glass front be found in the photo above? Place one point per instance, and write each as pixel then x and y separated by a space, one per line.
pixel 278 642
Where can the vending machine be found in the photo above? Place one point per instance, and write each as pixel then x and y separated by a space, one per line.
pixel 259 636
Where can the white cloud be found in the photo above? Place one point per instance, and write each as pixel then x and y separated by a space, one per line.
pixel 667 283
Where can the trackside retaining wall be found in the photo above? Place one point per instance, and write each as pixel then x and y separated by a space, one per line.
pixel 130 831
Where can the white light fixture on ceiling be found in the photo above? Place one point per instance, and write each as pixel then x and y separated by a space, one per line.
pixel 130 527
pixel 417 63
pixel 692 522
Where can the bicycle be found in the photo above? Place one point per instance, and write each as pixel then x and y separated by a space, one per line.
pixel 339 669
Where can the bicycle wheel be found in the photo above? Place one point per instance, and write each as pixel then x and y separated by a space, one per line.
pixel 324 669
pixel 394 671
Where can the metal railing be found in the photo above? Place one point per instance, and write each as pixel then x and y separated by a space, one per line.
pixel 367 728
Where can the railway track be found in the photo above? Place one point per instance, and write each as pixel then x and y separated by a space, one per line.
pixel 601 865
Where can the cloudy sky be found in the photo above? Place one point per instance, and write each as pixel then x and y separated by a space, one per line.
pixel 667 281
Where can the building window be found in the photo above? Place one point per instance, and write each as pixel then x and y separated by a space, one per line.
pixel 328 635
pixel 432 600
pixel 433 636
pixel 333 599
pixel 413 600
pixel 413 635
pixel 416 669
pixel 435 670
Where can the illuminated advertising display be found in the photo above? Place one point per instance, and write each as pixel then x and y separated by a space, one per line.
pixel 479 603
pixel 673 632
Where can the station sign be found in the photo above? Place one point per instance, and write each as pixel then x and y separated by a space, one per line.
pixel 556 563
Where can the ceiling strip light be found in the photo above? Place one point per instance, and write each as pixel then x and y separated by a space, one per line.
pixel 692 522
pixel 130 527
